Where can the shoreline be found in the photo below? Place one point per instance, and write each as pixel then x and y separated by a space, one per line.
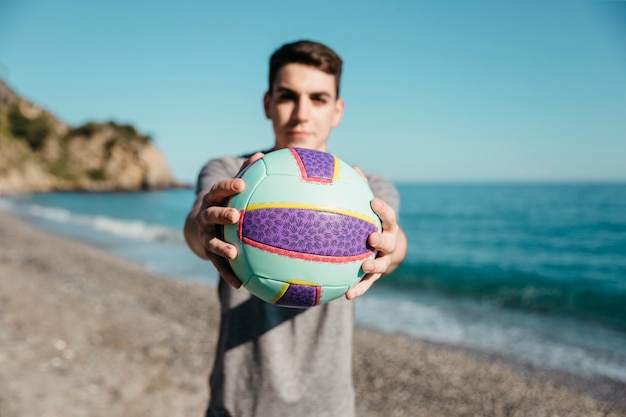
pixel 25 192
pixel 83 332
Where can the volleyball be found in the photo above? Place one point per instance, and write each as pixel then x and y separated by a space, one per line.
pixel 302 235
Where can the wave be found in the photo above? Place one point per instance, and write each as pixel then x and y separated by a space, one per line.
pixel 132 229
pixel 578 297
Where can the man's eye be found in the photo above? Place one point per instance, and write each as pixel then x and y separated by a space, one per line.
pixel 282 97
pixel 319 100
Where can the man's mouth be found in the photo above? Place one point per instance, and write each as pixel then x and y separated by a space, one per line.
pixel 299 134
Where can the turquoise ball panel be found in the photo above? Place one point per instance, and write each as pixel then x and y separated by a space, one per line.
pixel 281 163
pixel 349 174
pixel 282 268
pixel 253 176
pixel 266 289
pixel 330 293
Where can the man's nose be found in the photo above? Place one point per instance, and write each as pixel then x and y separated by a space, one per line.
pixel 302 109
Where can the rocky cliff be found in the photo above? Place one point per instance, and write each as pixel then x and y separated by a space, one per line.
pixel 38 152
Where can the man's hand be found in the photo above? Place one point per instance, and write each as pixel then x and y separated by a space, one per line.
pixel 206 220
pixel 391 245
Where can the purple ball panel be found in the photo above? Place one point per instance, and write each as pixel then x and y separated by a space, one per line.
pixel 308 231
pixel 317 164
pixel 299 296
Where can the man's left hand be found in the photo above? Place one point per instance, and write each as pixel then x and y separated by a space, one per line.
pixel 391 245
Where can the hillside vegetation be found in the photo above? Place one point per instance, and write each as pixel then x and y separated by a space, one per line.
pixel 38 152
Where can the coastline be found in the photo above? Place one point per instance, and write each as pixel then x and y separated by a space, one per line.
pixel 85 333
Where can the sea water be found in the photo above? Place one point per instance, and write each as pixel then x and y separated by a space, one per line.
pixel 536 272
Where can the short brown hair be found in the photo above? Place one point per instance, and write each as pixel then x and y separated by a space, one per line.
pixel 306 52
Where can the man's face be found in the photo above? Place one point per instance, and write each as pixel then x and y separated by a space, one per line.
pixel 303 107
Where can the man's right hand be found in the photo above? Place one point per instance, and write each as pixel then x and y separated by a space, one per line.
pixel 210 218
pixel 205 224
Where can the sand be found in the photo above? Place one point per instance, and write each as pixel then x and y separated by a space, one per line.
pixel 83 333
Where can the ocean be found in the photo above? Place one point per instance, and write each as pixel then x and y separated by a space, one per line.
pixel 534 272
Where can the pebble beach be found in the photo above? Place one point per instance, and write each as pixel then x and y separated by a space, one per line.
pixel 84 333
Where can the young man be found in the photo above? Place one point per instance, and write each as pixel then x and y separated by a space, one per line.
pixel 276 361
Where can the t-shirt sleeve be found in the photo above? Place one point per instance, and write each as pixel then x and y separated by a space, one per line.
pixel 216 170
pixel 385 190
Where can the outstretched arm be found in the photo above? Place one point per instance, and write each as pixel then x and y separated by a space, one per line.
pixel 205 224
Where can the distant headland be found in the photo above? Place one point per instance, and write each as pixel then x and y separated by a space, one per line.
pixel 40 153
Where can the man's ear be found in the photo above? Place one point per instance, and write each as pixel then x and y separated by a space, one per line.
pixel 339 107
pixel 266 104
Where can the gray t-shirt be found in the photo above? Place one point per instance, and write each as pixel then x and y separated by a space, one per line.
pixel 274 361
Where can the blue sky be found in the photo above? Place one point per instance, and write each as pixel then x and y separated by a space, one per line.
pixel 434 90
